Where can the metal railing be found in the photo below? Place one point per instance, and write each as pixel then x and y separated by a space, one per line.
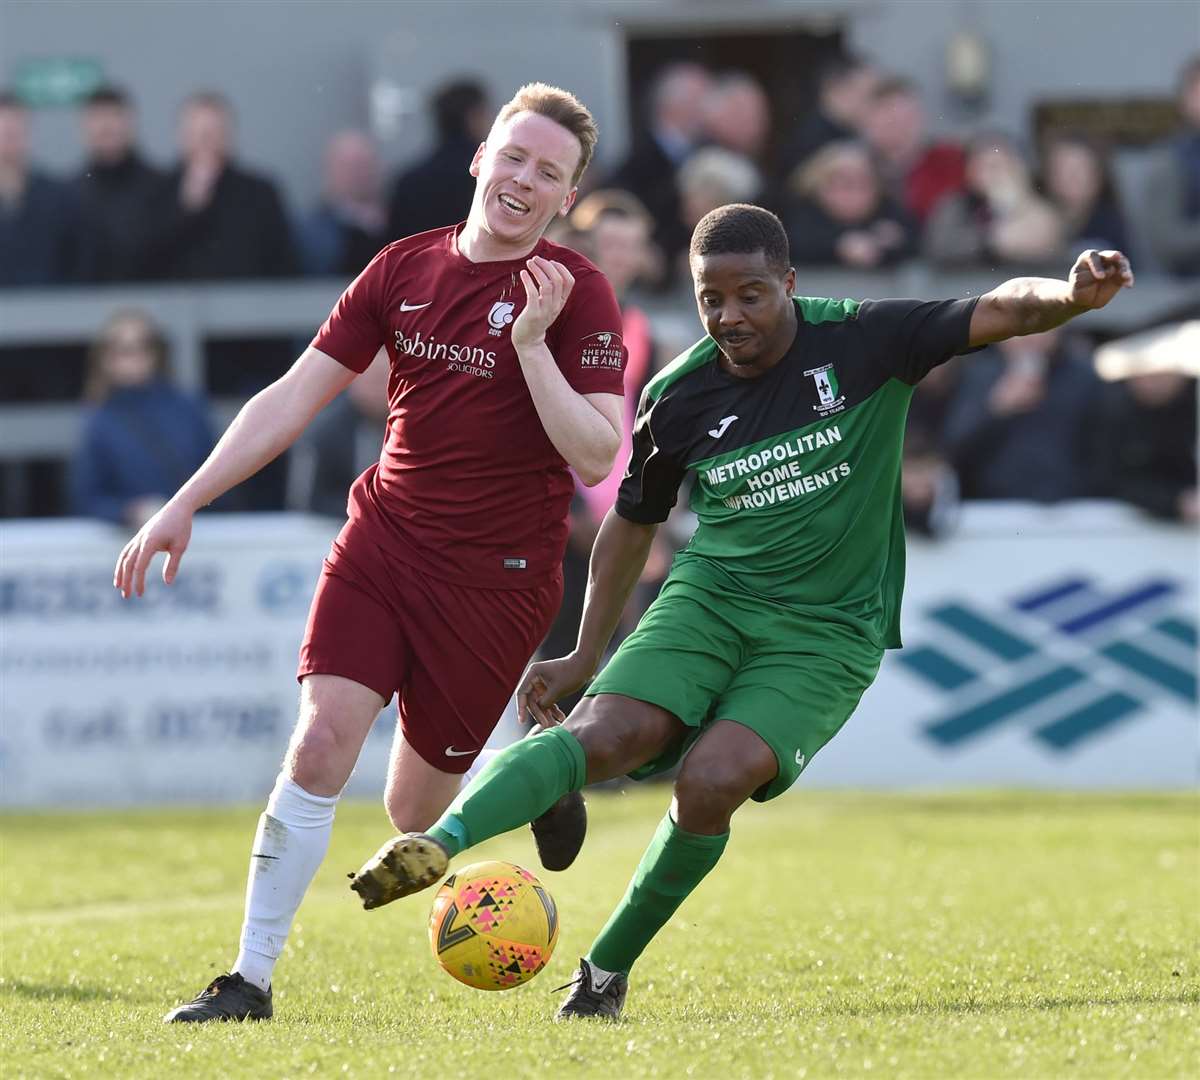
pixel 192 314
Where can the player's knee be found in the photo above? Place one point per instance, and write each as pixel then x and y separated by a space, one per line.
pixel 710 788
pixel 311 756
pixel 607 740
pixel 405 815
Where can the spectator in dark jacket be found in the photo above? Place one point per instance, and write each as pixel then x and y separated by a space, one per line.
pixel 1150 435
pixel 674 128
pixel 845 85
pixel 143 437
pixel 348 227
pixel 437 191
pixel 39 226
pixel 1078 180
pixel 114 189
pixel 339 444
pixel 1173 202
pixel 1023 422
pixel 213 219
pixel 839 215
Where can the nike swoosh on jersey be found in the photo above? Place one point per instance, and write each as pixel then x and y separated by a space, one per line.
pixel 405 306
pixel 451 752
pixel 721 428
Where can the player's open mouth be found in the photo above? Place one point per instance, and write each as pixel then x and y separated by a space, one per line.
pixel 512 205
pixel 735 341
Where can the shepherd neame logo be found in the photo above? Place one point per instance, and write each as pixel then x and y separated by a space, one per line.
pixel 602 350
pixel 466 359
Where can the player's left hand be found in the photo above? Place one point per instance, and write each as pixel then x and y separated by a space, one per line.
pixel 1098 276
pixel 547 286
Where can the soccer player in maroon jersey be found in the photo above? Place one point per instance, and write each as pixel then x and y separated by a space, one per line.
pixel 506 369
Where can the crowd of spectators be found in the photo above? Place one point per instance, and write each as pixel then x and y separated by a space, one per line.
pixel 859 181
pixel 858 178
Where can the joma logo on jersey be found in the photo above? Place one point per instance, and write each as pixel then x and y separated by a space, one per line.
pixel 832 400
pixel 500 316
pixel 602 350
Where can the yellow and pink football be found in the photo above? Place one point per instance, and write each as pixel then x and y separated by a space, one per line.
pixel 493 925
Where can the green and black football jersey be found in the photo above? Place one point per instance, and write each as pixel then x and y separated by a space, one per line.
pixel 797 485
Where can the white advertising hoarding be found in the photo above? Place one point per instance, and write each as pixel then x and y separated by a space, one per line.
pixel 1044 647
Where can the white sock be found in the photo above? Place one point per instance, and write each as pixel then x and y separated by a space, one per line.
pixel 486 755
pixel 293 835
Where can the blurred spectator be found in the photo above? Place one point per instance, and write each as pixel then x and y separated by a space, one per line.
pixel 737 115
pixel 143 437
pixel 845 85
pixel 348 226
pixel 114 188
pixel 437 191
pixel 999 218
pixel 343 440
pixel 1173 211
pixel 1078 180
pixel 39 224
pixel 614 230
pixel 713 177
pixel 917 172
pixel 1149 431
pixel 929 486
pixel 211 218
pixel 1023 421
pixel 672 133
pixel 841 215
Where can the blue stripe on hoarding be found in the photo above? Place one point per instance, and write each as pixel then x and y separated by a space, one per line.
pixel 1033 601
pixel 1110 609
pixel 1176 679
pixel 983 632
pixel 1179 629
pixel 936 667
pixel 977 719
pixel 1087 721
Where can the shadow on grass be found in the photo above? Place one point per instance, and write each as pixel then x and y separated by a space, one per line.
pixel 64 992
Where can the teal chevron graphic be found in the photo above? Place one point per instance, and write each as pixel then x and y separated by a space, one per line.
pixel 1127 648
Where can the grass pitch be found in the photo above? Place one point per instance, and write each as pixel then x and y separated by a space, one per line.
pixel 971 935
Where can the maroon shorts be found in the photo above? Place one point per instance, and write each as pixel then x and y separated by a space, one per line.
pixel 452 653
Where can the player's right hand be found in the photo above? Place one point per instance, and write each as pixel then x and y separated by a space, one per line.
pixel 169 530
pixel 547 682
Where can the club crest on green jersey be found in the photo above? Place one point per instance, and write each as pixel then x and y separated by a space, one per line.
pixel 831 398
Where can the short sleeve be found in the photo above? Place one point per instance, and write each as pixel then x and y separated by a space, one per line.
pixel 909 338
pixel 587 338
pixel 354 332
pixel 652 478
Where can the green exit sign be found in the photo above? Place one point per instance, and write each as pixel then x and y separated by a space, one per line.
pixel 56 80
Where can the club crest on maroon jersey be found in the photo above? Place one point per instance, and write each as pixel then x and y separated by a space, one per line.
pixel 500 316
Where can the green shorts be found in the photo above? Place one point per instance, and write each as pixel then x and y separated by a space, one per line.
pixel 707 653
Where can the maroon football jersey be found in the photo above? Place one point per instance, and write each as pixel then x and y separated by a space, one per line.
pixel 468 486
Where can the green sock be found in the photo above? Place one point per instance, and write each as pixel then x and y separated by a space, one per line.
pixel 518 785
pixel 674 864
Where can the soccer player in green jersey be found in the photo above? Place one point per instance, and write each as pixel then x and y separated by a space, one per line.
pixel 774 618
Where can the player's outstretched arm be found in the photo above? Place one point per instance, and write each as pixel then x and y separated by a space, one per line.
pixel 584 428
pixel 264 427
pixel 1033 305
pixel 618 558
